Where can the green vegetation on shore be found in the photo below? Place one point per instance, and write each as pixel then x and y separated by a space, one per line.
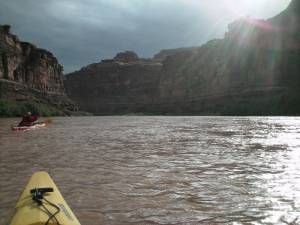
pixel 10 108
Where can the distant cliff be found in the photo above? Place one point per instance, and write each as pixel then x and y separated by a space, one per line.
pixel 253 70
pixel 163 54
pixel 124 84
pixel 29 74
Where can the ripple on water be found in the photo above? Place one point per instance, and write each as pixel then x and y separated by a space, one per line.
pixel 161 170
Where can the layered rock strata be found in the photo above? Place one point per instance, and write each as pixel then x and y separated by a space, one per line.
pixel 28 73
pixel 253 70
pixel 24 63
pixel 121 85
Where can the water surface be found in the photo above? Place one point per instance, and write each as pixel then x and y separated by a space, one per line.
pixel 161 170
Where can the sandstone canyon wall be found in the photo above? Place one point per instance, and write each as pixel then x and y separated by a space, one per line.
pixel 121 85
pixel 254 70
pixel 28 73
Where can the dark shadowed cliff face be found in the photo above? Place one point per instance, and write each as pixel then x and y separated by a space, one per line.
pixel 122 85
pixel 30 74
pixel 254 70
pixel 289 19
pixel 163 54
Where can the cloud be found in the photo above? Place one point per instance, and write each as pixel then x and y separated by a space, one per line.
pixel 80 32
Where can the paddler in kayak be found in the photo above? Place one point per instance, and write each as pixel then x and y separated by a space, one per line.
pixel 28 120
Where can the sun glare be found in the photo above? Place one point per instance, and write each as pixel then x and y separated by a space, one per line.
pixel 254 8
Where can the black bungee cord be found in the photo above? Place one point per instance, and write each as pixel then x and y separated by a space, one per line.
pixel 39 198
pixel 54 214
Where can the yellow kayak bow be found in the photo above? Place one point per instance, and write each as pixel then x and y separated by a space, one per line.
pixel 41 203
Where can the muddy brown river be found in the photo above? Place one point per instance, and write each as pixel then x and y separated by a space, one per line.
pixel 160 170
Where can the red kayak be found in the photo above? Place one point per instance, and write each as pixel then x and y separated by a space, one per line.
pixel 25 128
pixel 33 127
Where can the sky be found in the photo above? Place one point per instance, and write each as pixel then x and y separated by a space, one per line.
pixel 81 32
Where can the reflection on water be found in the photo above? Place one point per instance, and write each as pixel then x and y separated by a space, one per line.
pixel 161 170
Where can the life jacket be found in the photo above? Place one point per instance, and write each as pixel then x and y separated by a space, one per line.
pixel 27 121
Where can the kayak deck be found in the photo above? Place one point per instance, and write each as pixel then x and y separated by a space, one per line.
pixel 29 212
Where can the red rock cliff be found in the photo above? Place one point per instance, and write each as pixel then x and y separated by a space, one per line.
pixel 24 63
pixel 31 75
pixel 124 84
pixel 254 70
